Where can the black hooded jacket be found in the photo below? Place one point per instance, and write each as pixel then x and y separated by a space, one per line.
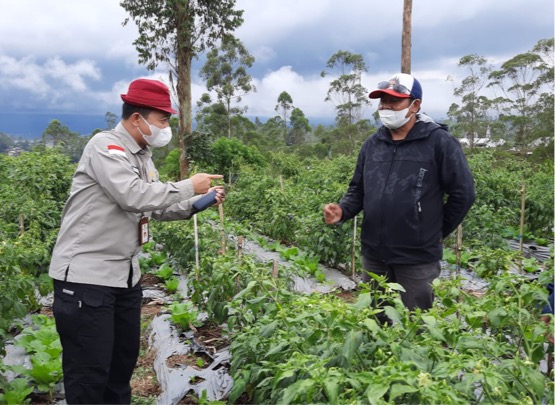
pixel 413 192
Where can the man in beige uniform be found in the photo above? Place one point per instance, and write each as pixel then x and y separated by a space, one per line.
pixel 95 267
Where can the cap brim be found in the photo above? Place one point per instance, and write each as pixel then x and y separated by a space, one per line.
pixel 139 104
pixel 391 92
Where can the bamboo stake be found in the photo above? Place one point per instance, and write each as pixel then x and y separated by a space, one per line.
pixel 281 182
pixel 221 210
pixel 197 261
pixel 239 255
pixel 458 271
pixel 275 269
pixel 353 252
pixel 459 248
pixel 522 212
pixel 21 224
pixel 239 246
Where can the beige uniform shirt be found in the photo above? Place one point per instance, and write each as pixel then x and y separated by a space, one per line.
pixel 114 186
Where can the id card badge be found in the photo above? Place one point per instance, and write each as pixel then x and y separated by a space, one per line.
pixel 143 230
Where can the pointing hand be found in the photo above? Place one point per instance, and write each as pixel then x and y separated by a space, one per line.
pixel 203 181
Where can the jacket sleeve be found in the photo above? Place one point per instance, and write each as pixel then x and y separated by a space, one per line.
pixel 114 173
pixel 457 182
pixel 181 210
pixel 353 200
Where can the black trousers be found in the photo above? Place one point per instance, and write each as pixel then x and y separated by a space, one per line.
pixel 99 329
pixel 416 279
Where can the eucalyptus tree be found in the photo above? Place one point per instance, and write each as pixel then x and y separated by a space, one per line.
pixel 271 135
pixel 225 73
pixel 173 32
pixel 545 104
pixel 284 104
pixel 211 117
pixel 299 127
pixel 59 136
pixel 522 80
pixel 472 114
pixel 346 91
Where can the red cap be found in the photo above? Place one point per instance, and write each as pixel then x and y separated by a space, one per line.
pixel 150 94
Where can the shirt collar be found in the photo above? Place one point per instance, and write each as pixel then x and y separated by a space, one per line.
pixel 130 143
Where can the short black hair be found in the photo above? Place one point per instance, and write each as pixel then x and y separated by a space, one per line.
pixel 127 110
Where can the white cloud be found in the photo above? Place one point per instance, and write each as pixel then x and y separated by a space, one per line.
pixel 72 75
pixel 76 54
pixel 86 29
pixel 308 94
pixel 263 53
pixel 53 83
pixel 21 74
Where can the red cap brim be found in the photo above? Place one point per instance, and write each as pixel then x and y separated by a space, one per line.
pixel 149 104
pixel 391 92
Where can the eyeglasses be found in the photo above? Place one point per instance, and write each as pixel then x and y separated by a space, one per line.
pixel 399 88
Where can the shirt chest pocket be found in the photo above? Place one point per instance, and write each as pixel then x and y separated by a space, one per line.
pixel 146 171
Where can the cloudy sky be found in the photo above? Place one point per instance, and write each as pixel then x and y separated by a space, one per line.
pixel 64 59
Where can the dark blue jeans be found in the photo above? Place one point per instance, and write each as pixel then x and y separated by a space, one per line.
pixel 99 329
pixel 416 279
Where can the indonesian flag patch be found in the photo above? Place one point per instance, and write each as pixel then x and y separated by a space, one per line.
pixel 116 150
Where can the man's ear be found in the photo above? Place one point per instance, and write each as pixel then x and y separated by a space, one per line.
pixel 135 118
pixel 416 105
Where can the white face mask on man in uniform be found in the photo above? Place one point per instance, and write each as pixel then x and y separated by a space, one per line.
pixel 159 137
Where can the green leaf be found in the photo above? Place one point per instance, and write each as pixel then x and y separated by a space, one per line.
pixel 400 389
pixel 364 301
pixel 497 316
pixel 392 314
pixel 534 380
pixel 351 345
pixel 375 392
pixel 372 326
pixel 297 390
pixel 16 391
pixel 268 330
pixel 331 388
pixel 239 386
pixel 277 349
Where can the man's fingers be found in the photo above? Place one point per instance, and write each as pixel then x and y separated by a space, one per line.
pixel 215 176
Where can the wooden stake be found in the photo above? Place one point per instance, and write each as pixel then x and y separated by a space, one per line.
pixel 353 252
pixel 275 269
pixel 221 209
pixel 522 212
pixel 239 246
pixel 197 261
pixel 459 248
pixel 21 224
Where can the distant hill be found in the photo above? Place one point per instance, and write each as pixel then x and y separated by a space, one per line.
pixel 31 125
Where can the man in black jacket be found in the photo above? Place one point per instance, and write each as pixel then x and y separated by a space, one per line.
pixel 414 186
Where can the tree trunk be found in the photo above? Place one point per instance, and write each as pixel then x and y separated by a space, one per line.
pixel 406 43
pixel 183 71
